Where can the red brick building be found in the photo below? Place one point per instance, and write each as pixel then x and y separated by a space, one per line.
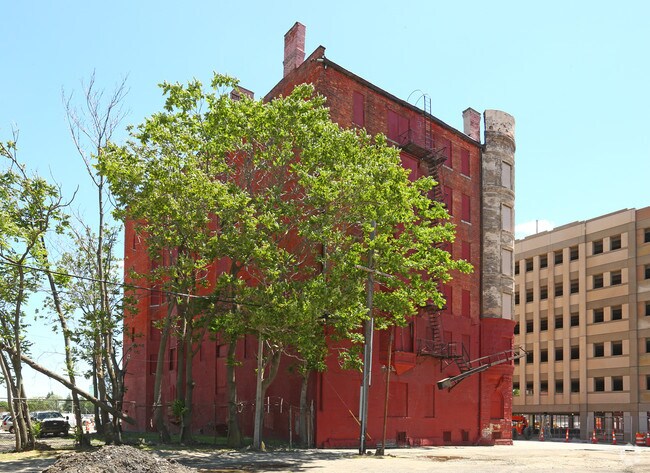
pixel 472 336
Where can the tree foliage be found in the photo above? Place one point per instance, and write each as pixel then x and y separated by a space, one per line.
pixel 278 202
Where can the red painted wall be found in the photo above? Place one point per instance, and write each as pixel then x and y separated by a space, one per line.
pixel 419 413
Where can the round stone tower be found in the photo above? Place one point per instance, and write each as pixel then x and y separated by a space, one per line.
pixel 498 164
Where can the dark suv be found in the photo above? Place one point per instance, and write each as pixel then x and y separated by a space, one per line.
pixel 52 422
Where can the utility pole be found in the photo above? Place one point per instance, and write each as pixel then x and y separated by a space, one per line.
pixel 367 349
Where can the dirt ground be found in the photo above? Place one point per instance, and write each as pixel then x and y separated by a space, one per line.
pixel 523 456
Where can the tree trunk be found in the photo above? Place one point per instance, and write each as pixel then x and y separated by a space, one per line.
pixel 82 438
pixel 235 439
pixel 304 410
pixel 186 424
pixel 158 408
pixel 50 374
pixel 273 363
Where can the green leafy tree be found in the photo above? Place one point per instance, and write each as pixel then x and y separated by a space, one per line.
pixel 283 200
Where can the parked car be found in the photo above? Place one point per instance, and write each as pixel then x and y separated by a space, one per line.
pixel 52 422
pixel 7 424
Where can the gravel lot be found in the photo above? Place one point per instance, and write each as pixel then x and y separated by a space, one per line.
pixel 523 456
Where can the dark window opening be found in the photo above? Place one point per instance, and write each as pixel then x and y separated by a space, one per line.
pixel 598 247
pixel 647 309
pixel 599 316
pixel 543 261
pixel 517 268
pixel 543 356
pixel 529 295
pixel 617 383
pixel 575 287
pixel 617 348
pixel 529 265
pixel 599 350
pixel 647 382
pixel 617 312
pixel 575 353
pixel 543 325
pixel 529 326
pixel 543 292
pixel 558 257
pixel 559 321
pixel 559 354
pixel 559 289
pixel 647 345
pixel 529 357
pixel 647 271
pixel 574 254
pixel 543 387
pixel 516 298
pixel 575 320
pixel 529 388
pixel 517 328
pixel 646 235
pixel 575 385
pixel 598 281
pixel 616 278
pixel 599 384
pixel 559 386
pixel 615 243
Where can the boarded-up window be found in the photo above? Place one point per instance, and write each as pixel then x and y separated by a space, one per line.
pixel 466 209
pixel 358 110
pixel 465 303
pixel 250 346
pixel 466 250
pixel 506 218
pixel 398 128
pixel 506 303
pixel 506 175
pixel 155 296
pixel 430 402
pixel 444 146
pixel 411 164
pixel 464 162
pixel 496 411
pixel 404 338
pixel 398 395
pixel 506 262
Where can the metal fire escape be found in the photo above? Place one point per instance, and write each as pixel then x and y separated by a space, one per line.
pixel 449 353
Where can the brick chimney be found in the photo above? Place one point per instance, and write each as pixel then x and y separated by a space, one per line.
pixel 294 48
pixel 472 124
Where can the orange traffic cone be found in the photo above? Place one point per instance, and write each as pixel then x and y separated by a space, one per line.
pixel 593 437
pixel 566 438
pixel 613 437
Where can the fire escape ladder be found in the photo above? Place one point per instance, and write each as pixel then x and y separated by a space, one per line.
pixel 428 127
pixel 468 368
pixel 438 347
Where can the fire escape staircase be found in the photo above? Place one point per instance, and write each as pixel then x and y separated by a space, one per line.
pixel 451 353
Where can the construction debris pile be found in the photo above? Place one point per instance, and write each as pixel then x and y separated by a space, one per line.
pixel 116 459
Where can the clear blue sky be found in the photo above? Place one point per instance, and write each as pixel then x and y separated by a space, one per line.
pixel 573 74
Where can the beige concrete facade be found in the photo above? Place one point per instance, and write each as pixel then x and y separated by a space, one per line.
pixel 582 306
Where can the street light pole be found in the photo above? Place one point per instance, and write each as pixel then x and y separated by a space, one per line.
pixel 367 349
